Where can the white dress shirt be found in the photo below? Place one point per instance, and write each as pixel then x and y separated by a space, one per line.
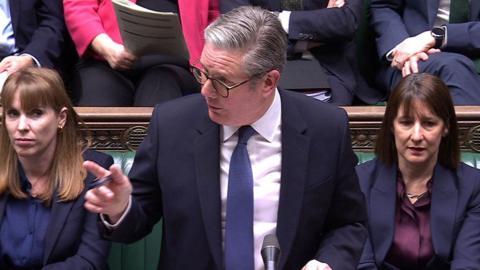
pixel 7 40
pixel 265 152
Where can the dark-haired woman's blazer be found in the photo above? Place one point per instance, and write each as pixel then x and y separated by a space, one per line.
pixel 73 241
pixel 454 216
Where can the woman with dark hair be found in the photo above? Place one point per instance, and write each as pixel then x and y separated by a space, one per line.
pixel 423 203
pixel 43 224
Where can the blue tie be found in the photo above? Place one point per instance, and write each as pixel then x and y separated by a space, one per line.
pixel 239 224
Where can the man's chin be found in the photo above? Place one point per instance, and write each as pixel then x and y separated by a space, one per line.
pixel 216 117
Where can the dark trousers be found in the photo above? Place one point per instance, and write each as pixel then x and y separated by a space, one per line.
pixel 456 70
pixel 148 83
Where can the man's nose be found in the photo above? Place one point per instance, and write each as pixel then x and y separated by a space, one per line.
pixel 208 90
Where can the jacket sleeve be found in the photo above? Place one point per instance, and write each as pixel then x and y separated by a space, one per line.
pixel 319 25
pixel 388 23
pixel 326 24
pixel 195 17
pixel 345 234
pixel 47 41
pixel 464 38
pixel 83 22
pixel 466 252
pixel 146 206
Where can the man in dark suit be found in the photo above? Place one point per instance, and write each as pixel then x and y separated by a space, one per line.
pixel 439 37
pixel 33 34
pixel 294 177
pixel 320 40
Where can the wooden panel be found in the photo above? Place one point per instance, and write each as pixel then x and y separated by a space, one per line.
pixel 123 128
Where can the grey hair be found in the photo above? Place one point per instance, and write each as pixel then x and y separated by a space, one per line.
pixel 252 30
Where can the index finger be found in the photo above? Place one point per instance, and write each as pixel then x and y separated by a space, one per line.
pixel 95 169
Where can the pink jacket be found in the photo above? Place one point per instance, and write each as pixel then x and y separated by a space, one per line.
pixel 86 19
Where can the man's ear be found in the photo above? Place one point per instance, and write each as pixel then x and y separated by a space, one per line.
pixel 271 81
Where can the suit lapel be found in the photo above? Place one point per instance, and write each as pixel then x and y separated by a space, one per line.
pixel 442 211
pixel 382 207
pixel 206 148
pixel 58 217
pixel 15 13
pixel 295 145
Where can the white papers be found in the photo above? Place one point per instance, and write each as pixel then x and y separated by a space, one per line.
pixel 146 32
pixel 3 78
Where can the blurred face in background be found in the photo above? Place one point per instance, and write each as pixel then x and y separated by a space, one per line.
pixel 418 135
pixel 33 133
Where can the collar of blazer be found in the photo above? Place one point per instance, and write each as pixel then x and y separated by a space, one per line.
pixel 382 200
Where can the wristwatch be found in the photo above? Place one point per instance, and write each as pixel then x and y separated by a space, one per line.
pixel 438 33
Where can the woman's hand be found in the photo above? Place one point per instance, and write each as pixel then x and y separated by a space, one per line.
pixel 117 56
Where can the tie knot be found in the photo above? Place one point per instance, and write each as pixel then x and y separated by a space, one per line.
pixel 244 133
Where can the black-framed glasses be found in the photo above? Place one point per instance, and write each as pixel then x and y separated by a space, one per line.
pixel 220 87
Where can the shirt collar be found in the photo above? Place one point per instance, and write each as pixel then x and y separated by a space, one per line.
pixel 265 125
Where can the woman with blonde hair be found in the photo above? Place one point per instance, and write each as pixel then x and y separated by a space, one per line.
pixel 43 224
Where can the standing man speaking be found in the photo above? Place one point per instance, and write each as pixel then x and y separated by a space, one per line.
pixel 241 161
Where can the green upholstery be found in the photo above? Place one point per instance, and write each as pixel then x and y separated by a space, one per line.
pixel 144 254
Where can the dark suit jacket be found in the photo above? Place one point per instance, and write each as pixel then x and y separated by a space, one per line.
pixel 334 28
pixel 396 20
pixel 454 216
pixel 39 29
pixel 73 240
pixel 175 175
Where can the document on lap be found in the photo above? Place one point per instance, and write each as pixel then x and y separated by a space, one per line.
pixel 147 32
pixel 3 78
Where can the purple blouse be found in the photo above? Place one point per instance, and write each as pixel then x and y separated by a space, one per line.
pixel 412 244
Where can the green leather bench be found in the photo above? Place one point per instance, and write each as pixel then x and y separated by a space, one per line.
pixel 144 254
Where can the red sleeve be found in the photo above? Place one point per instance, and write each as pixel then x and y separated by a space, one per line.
pixel 86 19
pixel 195 17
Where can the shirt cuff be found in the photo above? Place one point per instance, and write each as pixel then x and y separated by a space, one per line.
pixel 284 18
pixel 34 59
pixel 107 224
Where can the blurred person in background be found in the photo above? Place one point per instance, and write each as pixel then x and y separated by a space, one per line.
pixel 108 74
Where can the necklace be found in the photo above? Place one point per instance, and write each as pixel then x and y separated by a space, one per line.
pixel 415 196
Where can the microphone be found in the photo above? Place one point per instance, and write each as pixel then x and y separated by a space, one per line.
pixel 270 251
